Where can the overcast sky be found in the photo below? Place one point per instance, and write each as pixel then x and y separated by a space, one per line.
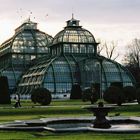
pixel 116 20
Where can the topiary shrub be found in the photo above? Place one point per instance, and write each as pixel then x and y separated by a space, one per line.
pixel 114 95
pixel 95 92
pixel 96 87
pixel 94 97
pixel 76 92
pixel 4 91
pixel 138 95
pixel 90 95
pixel 86 94
pixel 41 96
pixel 129 93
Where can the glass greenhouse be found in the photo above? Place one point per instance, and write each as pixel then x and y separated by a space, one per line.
pixel 72 59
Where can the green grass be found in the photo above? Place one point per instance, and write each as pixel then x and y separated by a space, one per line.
pixel 15 135
pixel 128 110
pixel 67 108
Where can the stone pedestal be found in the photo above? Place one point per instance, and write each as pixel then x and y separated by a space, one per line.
pixel 100 120
pixel 100 112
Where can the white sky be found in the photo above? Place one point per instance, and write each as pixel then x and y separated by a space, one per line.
pixel 110 20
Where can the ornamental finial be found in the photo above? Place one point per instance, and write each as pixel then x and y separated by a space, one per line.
pixel 72 16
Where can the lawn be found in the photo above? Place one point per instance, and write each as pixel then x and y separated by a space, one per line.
pixel 69 108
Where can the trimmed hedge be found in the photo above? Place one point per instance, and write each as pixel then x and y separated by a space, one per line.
pixel 4 91
pixel 114 95
pixel 76 92
pixel 129 93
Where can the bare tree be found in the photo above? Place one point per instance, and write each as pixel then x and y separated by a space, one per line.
pixel 100 47
pixel 108 50
pixel 132 58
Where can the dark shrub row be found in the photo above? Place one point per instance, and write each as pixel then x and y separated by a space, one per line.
pixel 119 95
pixel 113 94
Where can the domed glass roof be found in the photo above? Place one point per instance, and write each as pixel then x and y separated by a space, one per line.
pixel 29 39
pixel 74 33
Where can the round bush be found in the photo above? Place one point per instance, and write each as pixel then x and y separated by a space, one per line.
pixel 41 96
pixel 129 93
pixel 114 95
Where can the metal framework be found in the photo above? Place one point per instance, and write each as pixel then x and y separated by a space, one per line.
pixel 33 59
pixel 73 59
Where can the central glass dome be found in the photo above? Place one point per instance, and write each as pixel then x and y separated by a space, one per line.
pixel 73 33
